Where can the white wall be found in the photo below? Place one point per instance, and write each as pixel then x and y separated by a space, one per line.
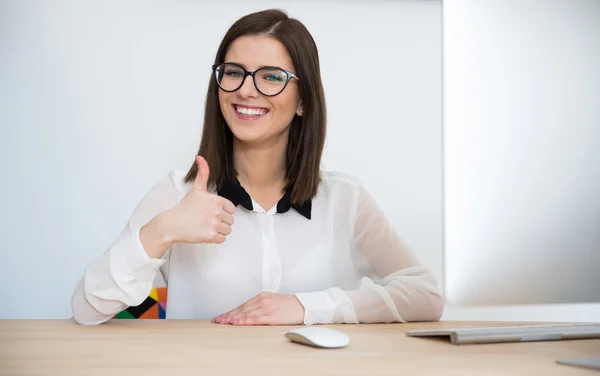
pixel 101 99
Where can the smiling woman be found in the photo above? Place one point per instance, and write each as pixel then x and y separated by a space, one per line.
pixel 259 110
pixel 282 102
pixel 255 232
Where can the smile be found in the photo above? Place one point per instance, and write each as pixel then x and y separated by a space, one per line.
pixel 247 112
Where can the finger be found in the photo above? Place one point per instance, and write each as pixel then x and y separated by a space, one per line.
pixel 223 228
pixel 258 311
pixel 252 308
pixel 248 310
pixel 223 318
pixel 235 311
pixel 228 206
pixel 219 238
pixel 227 218
pixel 201 181
pixel 253 320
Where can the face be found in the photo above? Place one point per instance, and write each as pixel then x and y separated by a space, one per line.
pixel 252 117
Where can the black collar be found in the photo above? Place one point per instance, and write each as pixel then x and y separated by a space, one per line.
pixel 234 192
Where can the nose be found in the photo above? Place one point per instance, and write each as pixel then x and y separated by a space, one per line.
pixel 247 90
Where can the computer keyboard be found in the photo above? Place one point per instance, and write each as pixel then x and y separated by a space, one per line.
pixel 545 328
pixel 525 333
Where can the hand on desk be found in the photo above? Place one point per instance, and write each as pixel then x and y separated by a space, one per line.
pixel 265 309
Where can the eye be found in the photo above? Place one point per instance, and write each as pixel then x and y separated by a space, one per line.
pixel 273 77
pixel 233 73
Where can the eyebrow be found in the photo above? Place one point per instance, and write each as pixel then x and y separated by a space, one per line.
pixel 260 67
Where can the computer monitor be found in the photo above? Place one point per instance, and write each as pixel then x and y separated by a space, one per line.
pixel 522 213
pixel 521 152
pixel 521 157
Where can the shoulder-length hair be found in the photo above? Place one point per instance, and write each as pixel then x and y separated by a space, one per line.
pixel 307 132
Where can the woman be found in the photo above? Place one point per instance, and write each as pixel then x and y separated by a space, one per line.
pixel 255 232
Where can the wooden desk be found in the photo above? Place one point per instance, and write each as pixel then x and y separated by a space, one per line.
pixel 200 348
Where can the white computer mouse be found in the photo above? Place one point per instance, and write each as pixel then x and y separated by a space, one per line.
pixel 318 337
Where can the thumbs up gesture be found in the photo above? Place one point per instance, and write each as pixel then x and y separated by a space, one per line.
pixel 201 217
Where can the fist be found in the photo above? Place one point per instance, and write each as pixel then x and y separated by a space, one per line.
pixel 201 217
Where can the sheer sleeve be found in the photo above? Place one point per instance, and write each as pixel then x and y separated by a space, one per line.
pixel 124 275
pixel 396 287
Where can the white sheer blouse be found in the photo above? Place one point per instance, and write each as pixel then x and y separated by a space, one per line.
pixel 342 259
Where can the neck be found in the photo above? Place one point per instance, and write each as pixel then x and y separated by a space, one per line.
pixel 260 167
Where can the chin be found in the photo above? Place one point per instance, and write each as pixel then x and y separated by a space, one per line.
pixel 246 135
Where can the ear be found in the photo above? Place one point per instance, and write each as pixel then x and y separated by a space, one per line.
pixel 299 110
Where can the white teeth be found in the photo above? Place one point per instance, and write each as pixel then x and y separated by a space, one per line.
pixel 250 111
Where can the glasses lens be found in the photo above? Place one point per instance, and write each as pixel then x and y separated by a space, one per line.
pixel 270 81
pixel 229 76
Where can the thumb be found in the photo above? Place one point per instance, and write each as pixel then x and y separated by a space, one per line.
pixel 201 181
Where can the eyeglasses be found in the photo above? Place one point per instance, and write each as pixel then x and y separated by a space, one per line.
pixel 269 81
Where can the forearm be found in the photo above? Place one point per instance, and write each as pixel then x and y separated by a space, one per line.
pixel 408 295
pixel 403 299
pixel 83 312
pixel 123 276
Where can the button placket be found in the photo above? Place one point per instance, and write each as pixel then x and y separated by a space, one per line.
pixel 271 259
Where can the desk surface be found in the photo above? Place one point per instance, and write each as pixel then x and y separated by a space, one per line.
pixel 182 347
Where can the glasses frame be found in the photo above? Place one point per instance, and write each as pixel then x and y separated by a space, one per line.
pixel 247 73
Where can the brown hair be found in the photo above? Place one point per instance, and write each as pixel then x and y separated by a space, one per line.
pixel 307 132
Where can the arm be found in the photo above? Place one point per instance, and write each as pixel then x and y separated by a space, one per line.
pixel 398 287
pixel 123 276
